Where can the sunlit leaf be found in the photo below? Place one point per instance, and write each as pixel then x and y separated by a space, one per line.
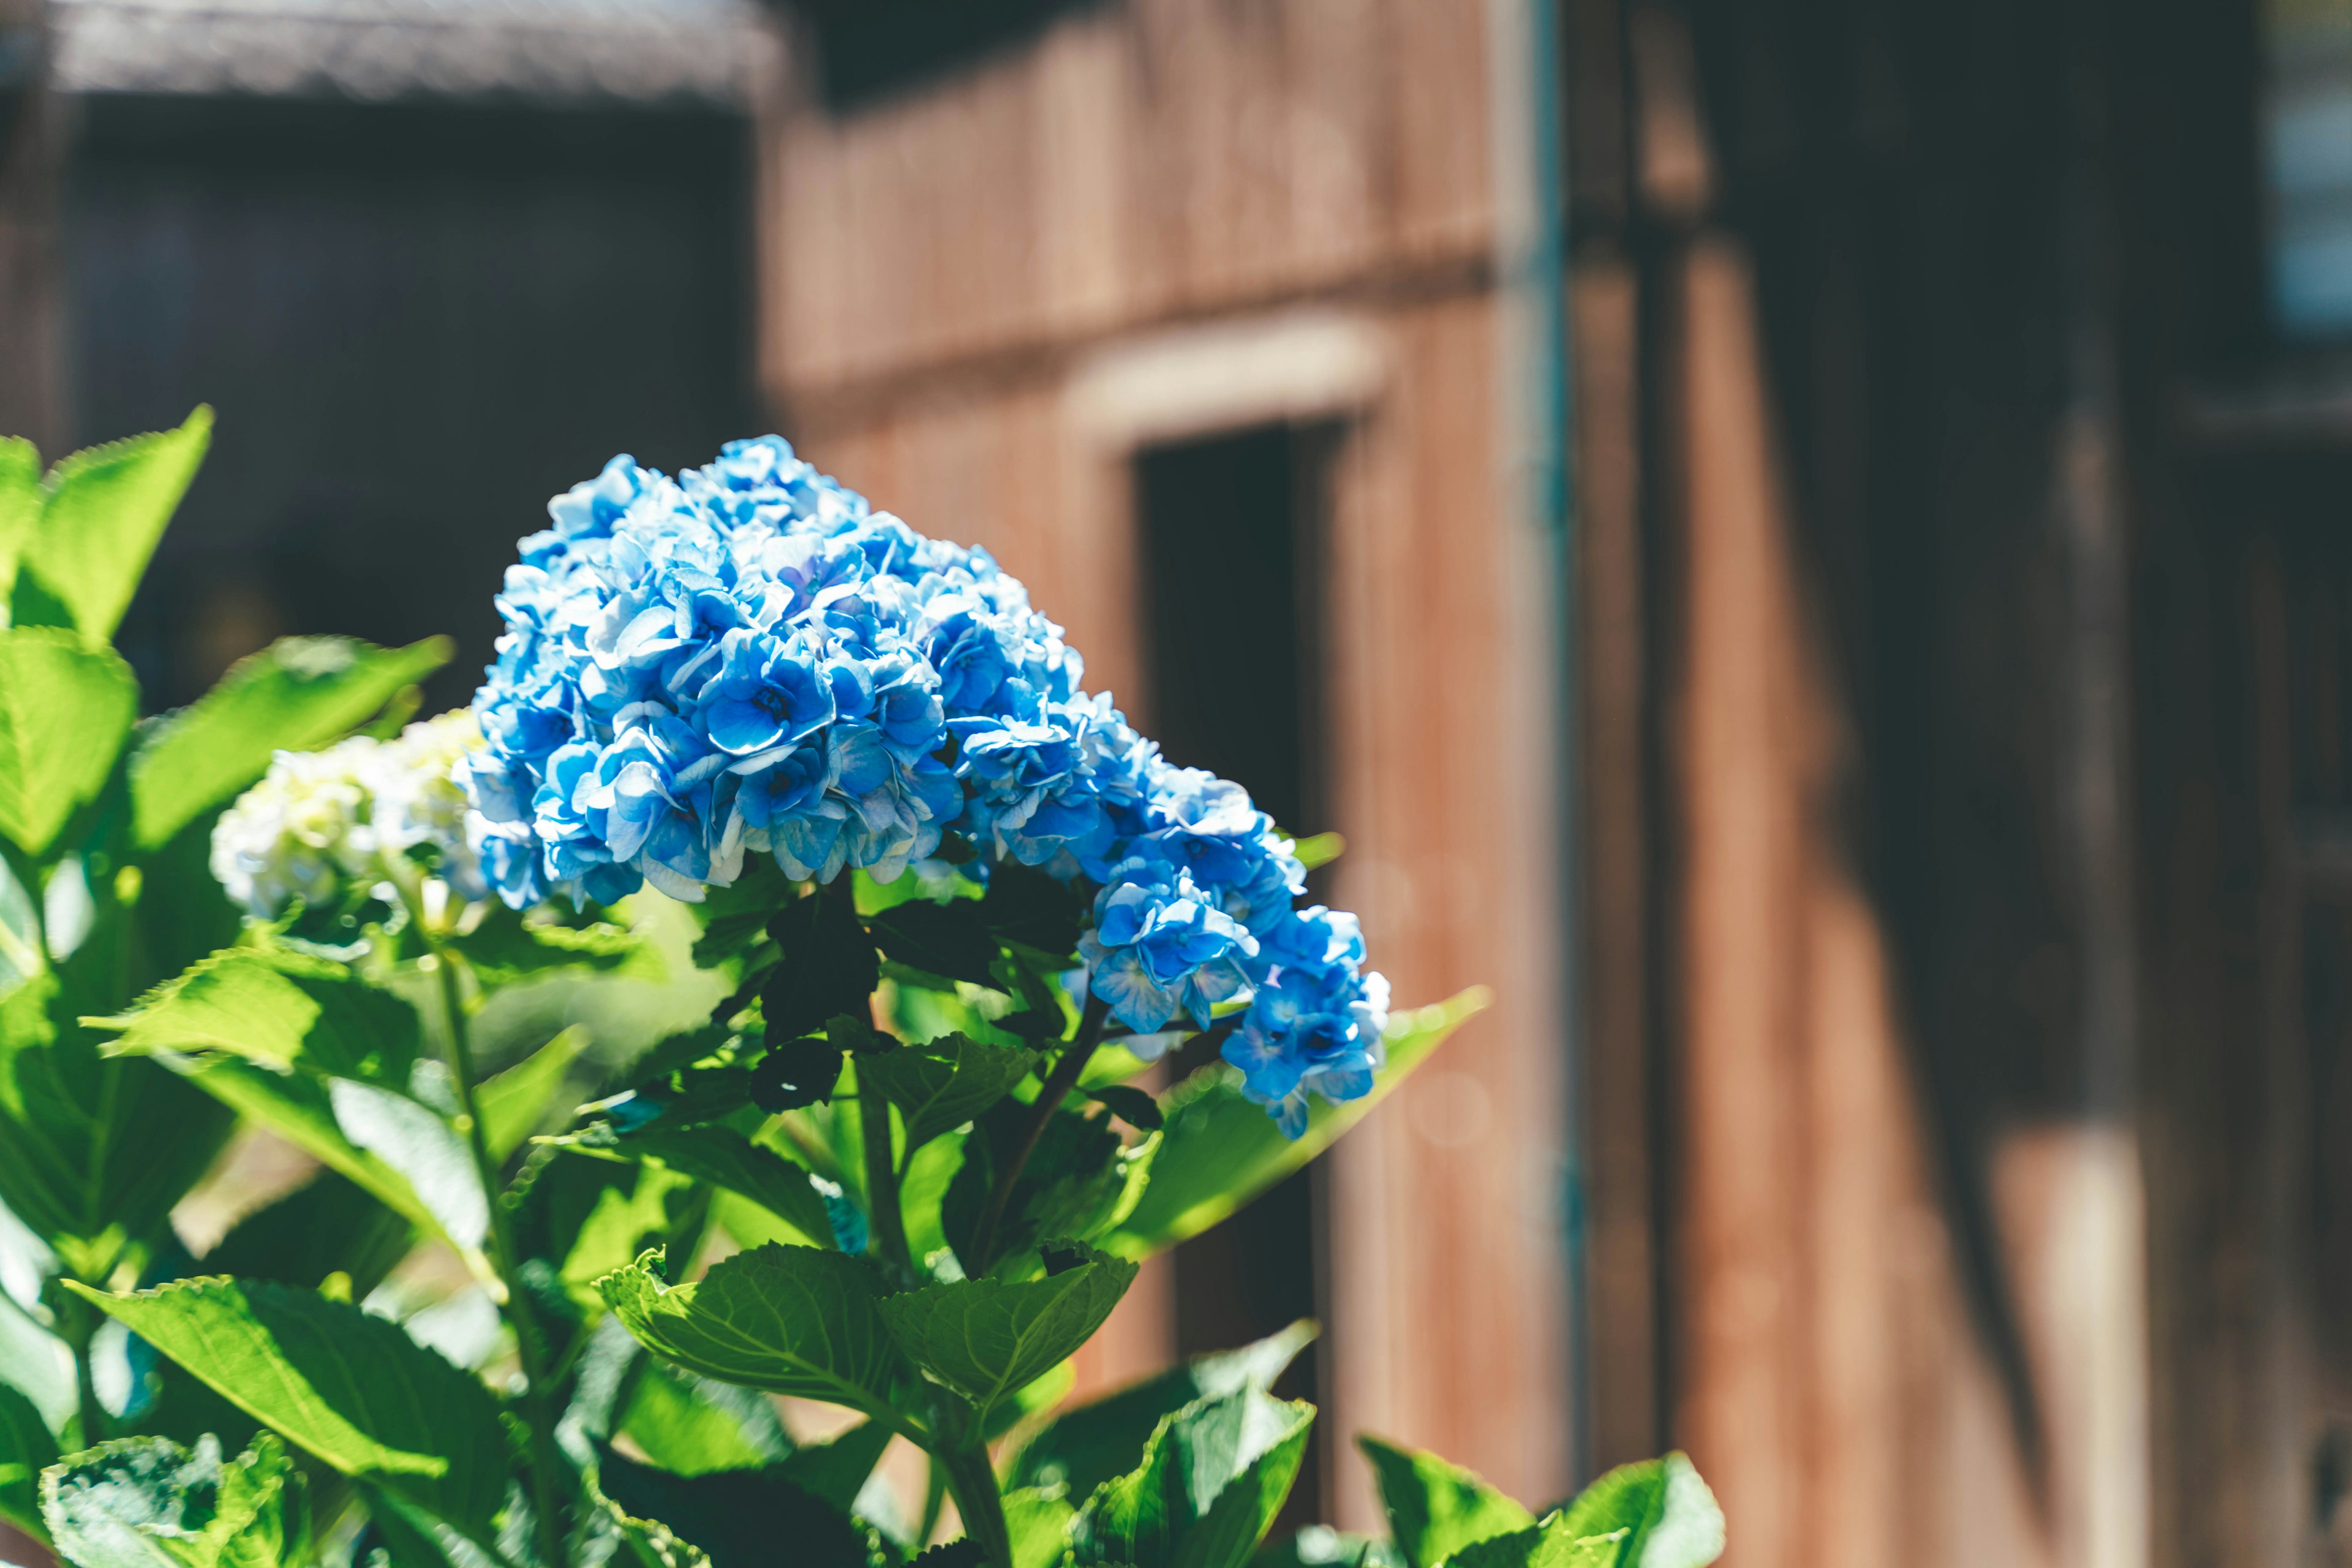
pixel 350 1389
pixel 1221 1151
pixel 985 1338
pixel 1436 1507
pixel 65 709
pixel 106 509
pixel 295 695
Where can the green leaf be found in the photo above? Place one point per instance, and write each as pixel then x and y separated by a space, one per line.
pixel 1028 907
pixel 951 939
pixel 725 1159
pixel 942 1084
pixel 740 1518
pixel 1660 1512
pixel 106 509
pixel 147 1502
pixel 1080 1449
pixel 300 1108
pixel 1081 1181
pixel 985 1338
pixel 649 1542
pixel 277 1009
pixel 790 1319
pixel 353 1390
pixel 1213 1476
pixel 329 1225
pixel 296 695
pixel 26 1450
pixel 1039 1523
pixel 835 1472
pixel 92 1148
pixel 520 1100
pixel 1318 849
pixel 828 968
pixel 65 709
pixel 21 500
pixel 1321 1546
pixel 1435 1508
pixel 1130 1105
pixel 690 1426
pixel 1221 1151
pixel 506 950
pixel 590 1217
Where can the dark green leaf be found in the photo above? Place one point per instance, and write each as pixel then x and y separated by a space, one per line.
pixel 942 1084
pixel 26 1450
pixel 795 1075
pixel 835 1472
pixel 985 1338
pixel 65 710
pixel 729 935
pixel 1213 1476
pixel 105 510
pixel 1222 1151
pixel 951 939
pixel 740 1518
pixel 1130 1105
pixel 1080 1181
pixel 1026 906
pixel 828 967
pixel 295 695
pixel 145 1502
pixel 644 1542
pixel 1080 1449
pixel 1435 1508
pixel 790 1319
pixel 350 1389
pixel 280 1010
pixel 504 950
pixel 327 1225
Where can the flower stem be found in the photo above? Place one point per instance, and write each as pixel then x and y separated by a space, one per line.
pixel 545 1472
pixel 886 1216
pixel 1057 1086
pixel 971 1480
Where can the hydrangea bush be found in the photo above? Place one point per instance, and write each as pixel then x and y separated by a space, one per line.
pixel 749 660
pixel 917 1000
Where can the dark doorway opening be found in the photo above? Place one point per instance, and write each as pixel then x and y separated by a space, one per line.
pixel 1231 543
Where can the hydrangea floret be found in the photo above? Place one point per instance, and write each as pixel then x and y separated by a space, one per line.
pixel 747 658
pixel 321 822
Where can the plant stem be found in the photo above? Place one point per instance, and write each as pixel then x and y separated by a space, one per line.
pixel 545 1488
pixel 971 1480
pixel 885 1213
pixel 1057 1086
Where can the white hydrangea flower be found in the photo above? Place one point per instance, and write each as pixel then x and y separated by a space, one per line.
pixel 319 819
pixel 416 797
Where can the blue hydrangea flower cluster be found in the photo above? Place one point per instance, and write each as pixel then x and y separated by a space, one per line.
pixel 747 658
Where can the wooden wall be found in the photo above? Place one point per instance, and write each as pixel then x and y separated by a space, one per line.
pixel 955 282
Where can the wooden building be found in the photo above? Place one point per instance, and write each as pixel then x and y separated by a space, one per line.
pixel 1928 1112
